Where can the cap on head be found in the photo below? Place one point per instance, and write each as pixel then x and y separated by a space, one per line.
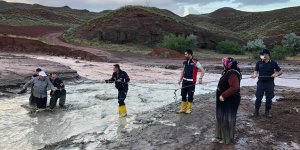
pixel 265 51
pixel 38 70
pixel 117 66
pixel 43 74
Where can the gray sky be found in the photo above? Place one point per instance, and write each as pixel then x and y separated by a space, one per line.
pixel 180 7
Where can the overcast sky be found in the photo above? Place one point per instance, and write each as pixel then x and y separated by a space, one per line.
pixel 180 7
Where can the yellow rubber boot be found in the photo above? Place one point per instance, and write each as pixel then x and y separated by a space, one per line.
pixel 122 111
pixel 183 107
pixel 189 108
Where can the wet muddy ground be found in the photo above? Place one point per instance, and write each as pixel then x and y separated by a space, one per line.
pixel 195 131
pixel 91 120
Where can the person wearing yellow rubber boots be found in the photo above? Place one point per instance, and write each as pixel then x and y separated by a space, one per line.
pixel 188 79
pixel 121 79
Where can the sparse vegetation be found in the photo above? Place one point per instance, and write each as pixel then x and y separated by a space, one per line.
pixel 229 47
pixel 292 43
pixel 279 52
pixel 179 43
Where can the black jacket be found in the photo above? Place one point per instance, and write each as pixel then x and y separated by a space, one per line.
pixel 121 80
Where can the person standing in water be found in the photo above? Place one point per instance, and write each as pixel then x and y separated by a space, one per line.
pixel 40 86
pixel 227 101
pixel 121 79
pixel 60 93
pixel 188 78
pixel 31 99
pixel 266 70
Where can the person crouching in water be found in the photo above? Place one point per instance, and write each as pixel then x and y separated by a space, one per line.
pixel 189 78
pixel 121 80
pixel 40 86
pixel 227 101
pixel 60 93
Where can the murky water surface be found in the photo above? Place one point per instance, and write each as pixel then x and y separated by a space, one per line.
pixel 92 109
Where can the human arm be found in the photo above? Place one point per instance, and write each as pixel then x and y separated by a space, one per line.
pixel 234 86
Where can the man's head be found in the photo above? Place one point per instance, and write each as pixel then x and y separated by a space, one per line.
pixel 37 71
pixel 265 54
pixel 53 76
pixel 42 75
pixel 188 54
pixel 116 68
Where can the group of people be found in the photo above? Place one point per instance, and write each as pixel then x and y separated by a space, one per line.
pixel 40 83
pixel 228 90
pixel 227 94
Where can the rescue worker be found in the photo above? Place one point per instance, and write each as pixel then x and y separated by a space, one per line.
pixel 188 78
pixel 266 70
pixel 121 80
pixel 60 93
pixel 227 101
pixel 40 86
pixel 35 75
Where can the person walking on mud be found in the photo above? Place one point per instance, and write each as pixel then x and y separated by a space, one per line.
pixel 227 101
pixel 60 93
pixel 188 78
pixel 40 87
pixel 121 80
pixel 266 70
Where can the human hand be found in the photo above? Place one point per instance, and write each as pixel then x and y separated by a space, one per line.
pixel 221 98
pixel 274 75
pixel 200 81
pixel 253 76
pixel 179 82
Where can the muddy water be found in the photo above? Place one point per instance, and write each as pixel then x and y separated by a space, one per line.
pixel 92 108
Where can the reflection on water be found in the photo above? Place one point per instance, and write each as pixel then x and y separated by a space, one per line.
pixel 92 111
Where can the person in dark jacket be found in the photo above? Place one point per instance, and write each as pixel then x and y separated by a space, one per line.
pixel 266 70
pixel 188 78
pixel 60 93
pixel 121 79
pixel 227 101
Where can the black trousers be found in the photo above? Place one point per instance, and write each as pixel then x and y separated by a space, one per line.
pixel 122 94
pixel 58 94
pixel 189 91
pixel 264 88
pixel 41 102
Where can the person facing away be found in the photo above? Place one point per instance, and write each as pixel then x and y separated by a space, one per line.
pixel 266 70
pixel 121 79
pixel 188 78
pixel 60 93
pixel 227 101
pixel 35 75
pixel 40 86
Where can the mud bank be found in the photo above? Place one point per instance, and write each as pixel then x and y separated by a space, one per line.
pixel 31 31
pixel 34 46
pixel 16 70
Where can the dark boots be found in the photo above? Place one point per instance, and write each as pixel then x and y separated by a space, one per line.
pixel 256 112
pixel 268 113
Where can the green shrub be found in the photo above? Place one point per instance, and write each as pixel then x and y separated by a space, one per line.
pixel 179 43
pixel 255 45
pixel 229 47
pixel 292 43
pixel 279 52
pixel 69 35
